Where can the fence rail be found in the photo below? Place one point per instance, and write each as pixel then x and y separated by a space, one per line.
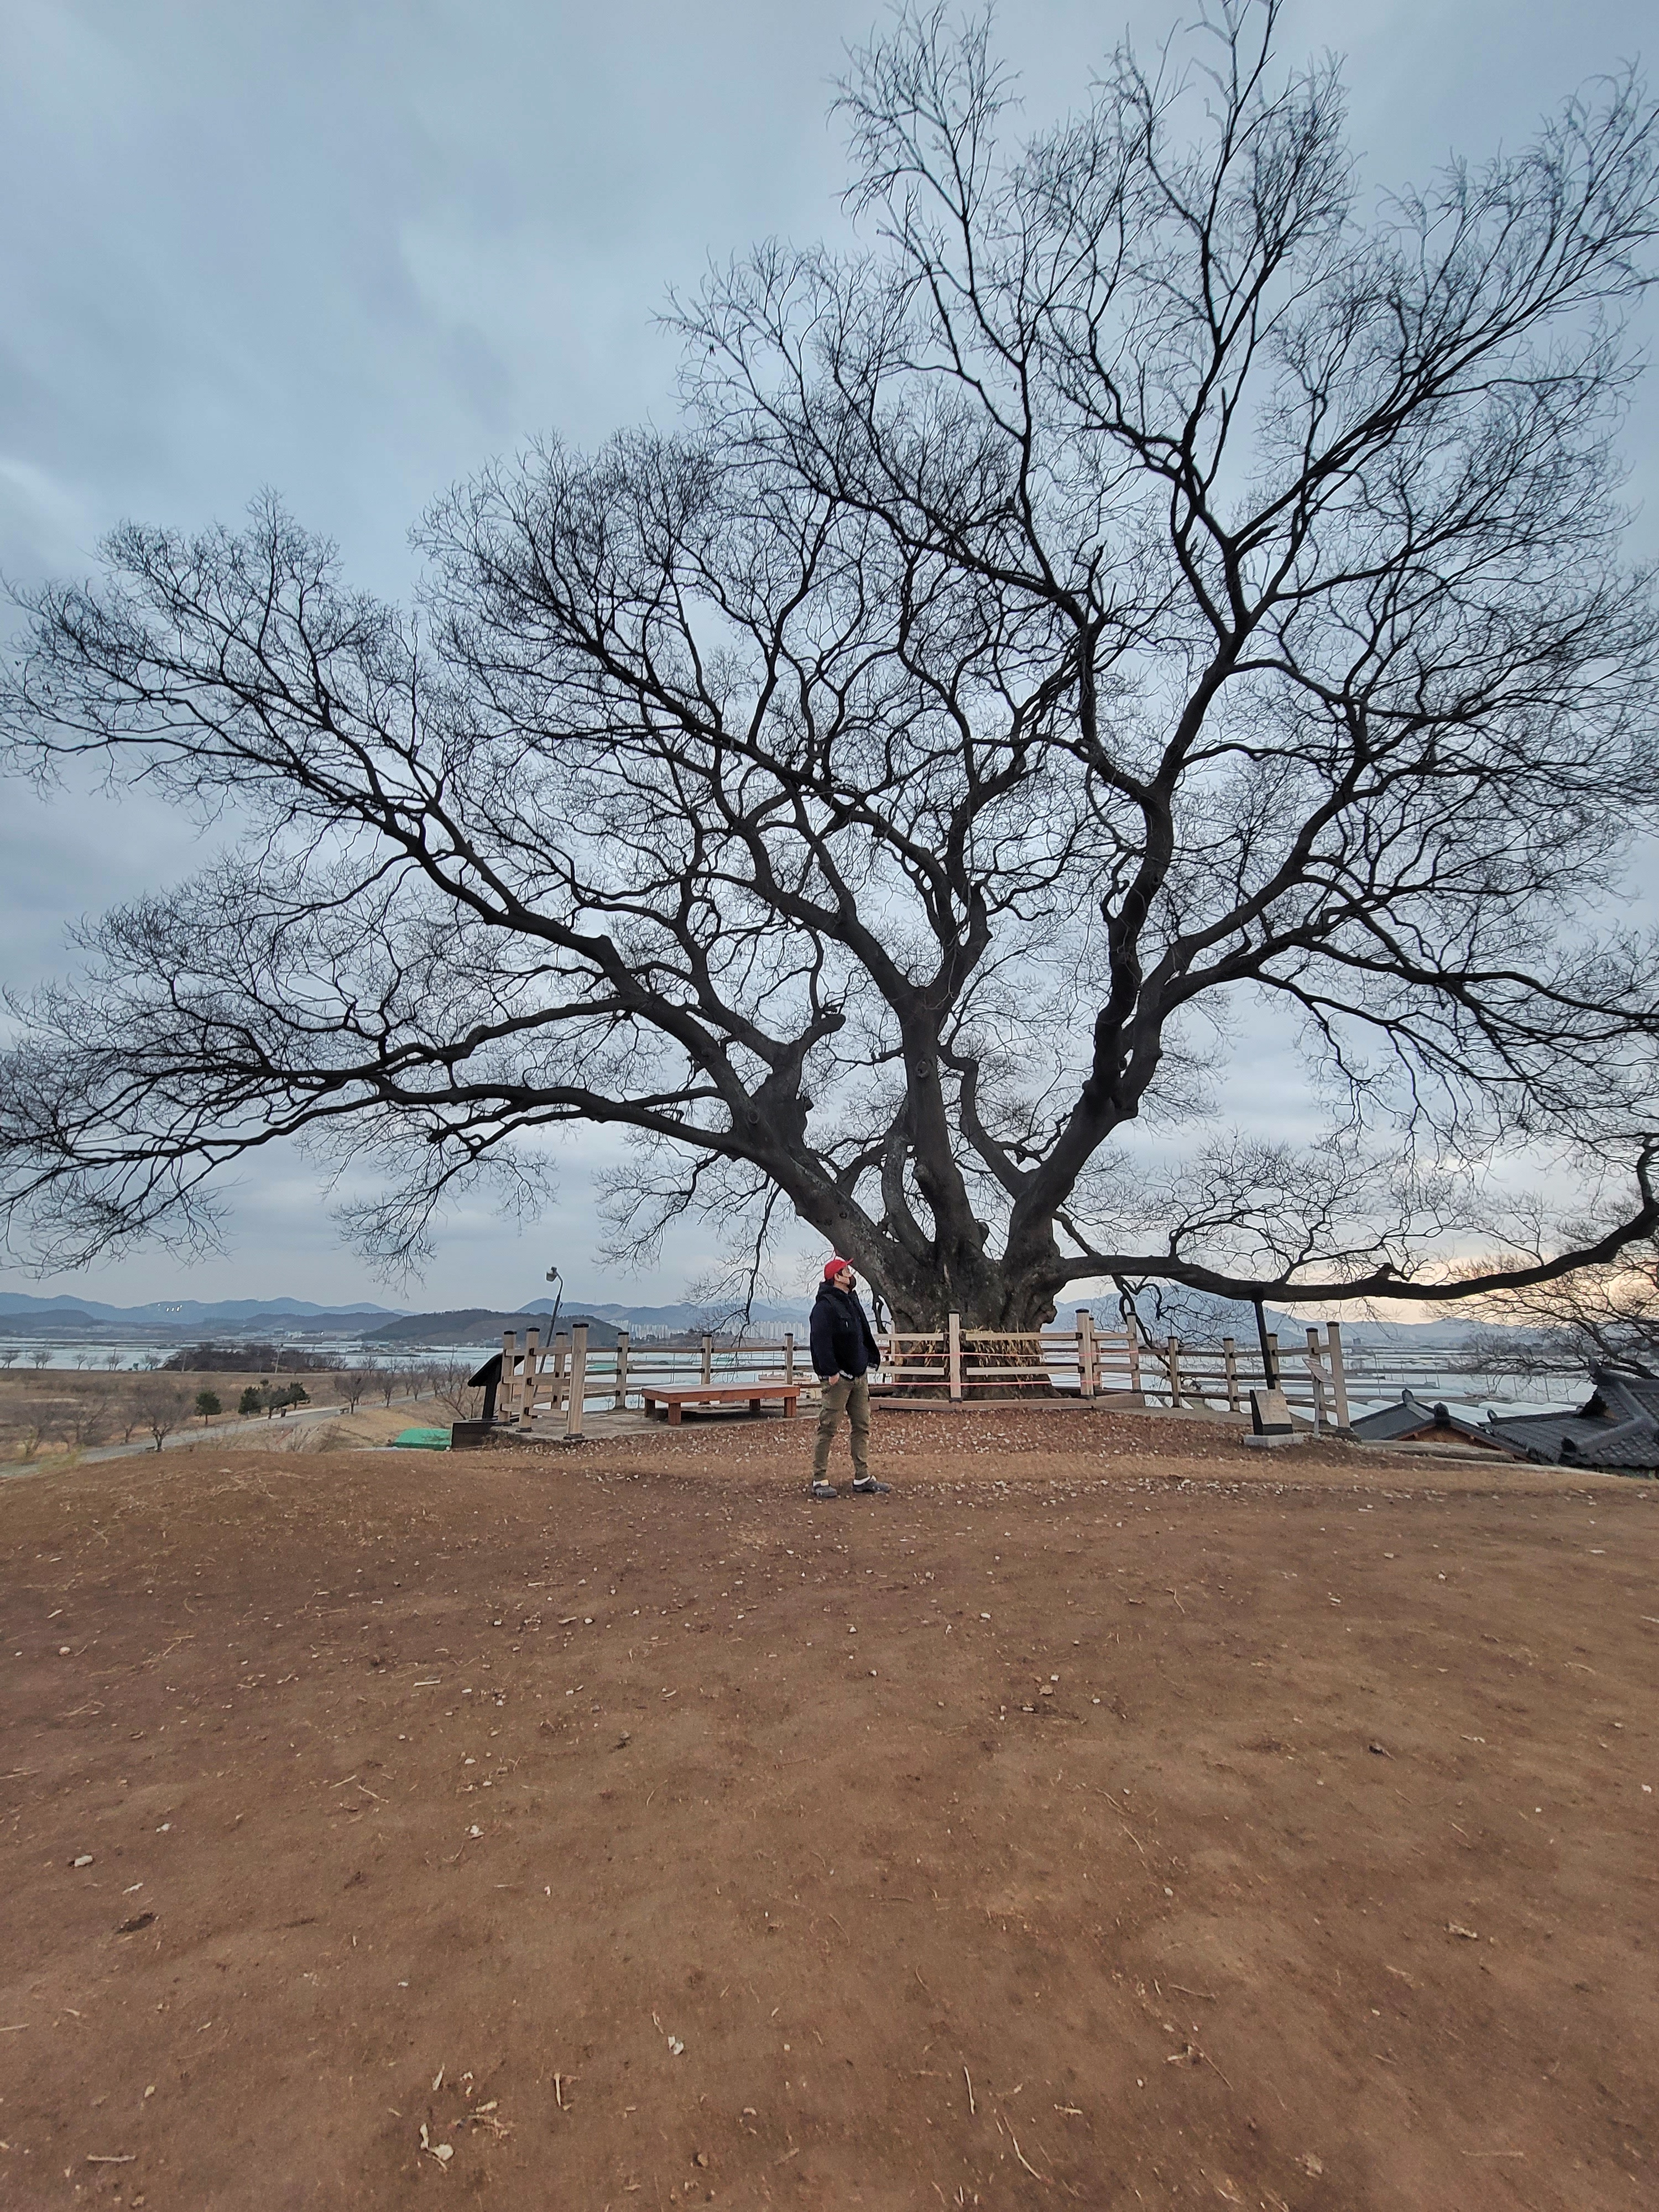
pixel 954 1363
pixel 1319 1377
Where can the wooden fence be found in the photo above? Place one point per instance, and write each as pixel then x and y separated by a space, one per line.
pixel 950 1365
pixel 1088 1362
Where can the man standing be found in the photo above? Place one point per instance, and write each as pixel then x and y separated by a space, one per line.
pixel 843 1353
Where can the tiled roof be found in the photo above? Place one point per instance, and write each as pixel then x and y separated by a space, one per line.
pixel 1625 1397
pixel 1616 1429
pixel 1412 1419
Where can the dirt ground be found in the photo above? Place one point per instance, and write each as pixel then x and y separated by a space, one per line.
pixel 1111 1815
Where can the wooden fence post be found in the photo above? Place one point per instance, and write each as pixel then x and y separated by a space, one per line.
pixel 1132 1334
pixel 789 1355
pixel 1270 1361
pixel 1173 1355
pixel 621 1371
pixel 1317 1381
pixel 576 1388
pixel 509 1408
pixel 954 1355
pixel 1229 1362
pixel 708 1369
pixel 1338 1379
pixel 1085 1352
pixel 527 1396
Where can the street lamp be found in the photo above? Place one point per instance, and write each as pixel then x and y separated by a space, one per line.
pixel 554 1276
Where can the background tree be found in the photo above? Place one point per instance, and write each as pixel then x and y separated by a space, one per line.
pixel 1604 1317
pixel 80 1416
pixel 1143 594
pixel 160 1407
pixel 251 1400
pixel 449 1381
pixel 207 1404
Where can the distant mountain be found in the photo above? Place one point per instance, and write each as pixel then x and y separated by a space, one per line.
pixel 683 1316
pixel 191 1313
pixel 62 1321
pixel 1201 1317
pixel 17 1302
pixel 478 1325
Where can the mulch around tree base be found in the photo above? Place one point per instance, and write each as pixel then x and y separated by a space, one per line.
pixel 1118 1821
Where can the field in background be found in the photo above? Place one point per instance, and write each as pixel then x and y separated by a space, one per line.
pixel 62 1414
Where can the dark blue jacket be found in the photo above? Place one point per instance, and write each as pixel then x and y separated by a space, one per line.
pixel 841 1342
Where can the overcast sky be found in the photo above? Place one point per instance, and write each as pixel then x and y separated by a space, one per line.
pixel 353 250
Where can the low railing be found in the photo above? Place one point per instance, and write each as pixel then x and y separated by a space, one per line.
pixel 1090 1362
pixel 567 1375
pixel 1083 1362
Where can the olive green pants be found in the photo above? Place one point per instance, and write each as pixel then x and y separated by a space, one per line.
pixel 848 1395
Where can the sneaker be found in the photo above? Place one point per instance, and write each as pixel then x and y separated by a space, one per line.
pixel 872 1488
pixel 822 1490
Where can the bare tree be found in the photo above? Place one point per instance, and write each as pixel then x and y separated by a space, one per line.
pixel 1604 1317
pixel 84 1416
pixel 448 1379
pixel 388 1382
pixel 161 1407
pixel 353 1382
pixel 1139 594
pixel 9 1355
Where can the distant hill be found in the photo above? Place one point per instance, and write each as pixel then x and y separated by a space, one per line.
pixel 1201 1317
pixel 766 1320
pixel 477 1325
pixel 189 1313
pixel 65 1320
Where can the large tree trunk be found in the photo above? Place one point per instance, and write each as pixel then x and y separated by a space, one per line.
pixel 982 1290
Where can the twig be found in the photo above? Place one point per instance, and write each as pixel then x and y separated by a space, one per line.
pixel 972 2107
pixel 1026 2162
pixel 1208 1995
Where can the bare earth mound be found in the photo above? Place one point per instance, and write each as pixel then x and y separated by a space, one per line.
pixel 1106 1817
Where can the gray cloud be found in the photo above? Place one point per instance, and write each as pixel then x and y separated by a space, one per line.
pixel 354 251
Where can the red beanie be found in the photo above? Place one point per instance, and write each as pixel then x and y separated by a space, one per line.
pixel 833 1268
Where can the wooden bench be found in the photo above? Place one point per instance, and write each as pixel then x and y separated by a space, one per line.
pixel 673 1398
